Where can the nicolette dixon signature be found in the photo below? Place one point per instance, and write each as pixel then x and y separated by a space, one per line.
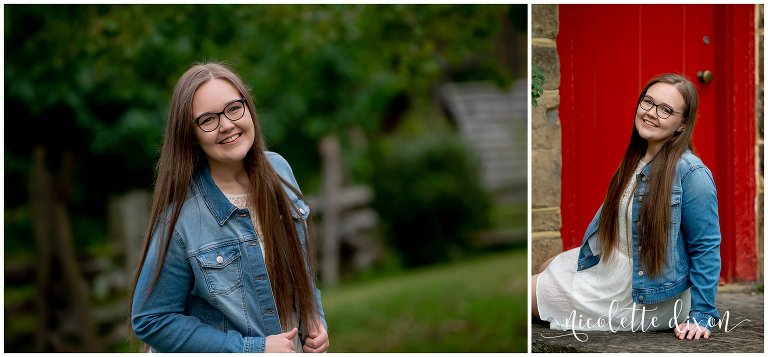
pixel 578 324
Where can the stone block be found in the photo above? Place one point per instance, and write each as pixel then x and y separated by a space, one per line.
pixel 544 21
pixel 759 114
pixel 760 238
pixel 546 219
pixel 761 152
pixel 545 181
pixel 544 246
pixel 761 51
pixel 546 58
pixel 545 124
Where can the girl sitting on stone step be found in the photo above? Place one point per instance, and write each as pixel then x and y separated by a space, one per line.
pixel 650 258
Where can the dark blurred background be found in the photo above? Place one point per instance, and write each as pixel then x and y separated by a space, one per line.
pixel 405 126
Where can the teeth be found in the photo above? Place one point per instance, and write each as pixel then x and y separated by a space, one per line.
pixel 230 139
pixel 651 124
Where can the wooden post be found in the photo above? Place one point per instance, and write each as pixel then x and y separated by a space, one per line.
pixel 40 190
pixel 332 175
pixel 128 220
pixel 53 235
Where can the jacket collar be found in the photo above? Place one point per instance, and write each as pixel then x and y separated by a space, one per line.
pixel 214 199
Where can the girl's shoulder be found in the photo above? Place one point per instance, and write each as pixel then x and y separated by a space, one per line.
pixel 275 158
pixel 689 165
pixel 281 166
pixel 283 169
pixel 278 162
pixel 689 161
pixel 165 216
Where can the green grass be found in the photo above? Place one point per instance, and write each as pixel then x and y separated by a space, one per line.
pixel 472 306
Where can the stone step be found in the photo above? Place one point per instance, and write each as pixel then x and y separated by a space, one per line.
pixel 742 333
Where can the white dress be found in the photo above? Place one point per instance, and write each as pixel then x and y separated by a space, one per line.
pixel 586 300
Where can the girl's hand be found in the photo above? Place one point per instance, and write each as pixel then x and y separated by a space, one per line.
pixel 281 342
pixel 691 331
pixel 317 340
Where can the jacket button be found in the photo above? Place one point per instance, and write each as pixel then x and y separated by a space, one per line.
pixel 301 210
pixel 640 298
pixel 640 199
pixel 640 273
pixel 644 179
pixel 219 259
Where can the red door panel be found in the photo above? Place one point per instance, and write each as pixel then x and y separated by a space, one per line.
pixel 607 53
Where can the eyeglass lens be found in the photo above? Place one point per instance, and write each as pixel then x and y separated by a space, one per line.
pixel 233 111
pixel 662 110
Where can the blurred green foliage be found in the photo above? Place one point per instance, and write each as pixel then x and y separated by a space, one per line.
pixel 429 196
pixel 97 79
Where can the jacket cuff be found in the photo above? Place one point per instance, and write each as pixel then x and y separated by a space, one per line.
pixel 702 319
pixel 254 344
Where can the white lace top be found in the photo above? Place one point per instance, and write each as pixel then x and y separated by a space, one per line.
pixel 241 201
pixel 625 209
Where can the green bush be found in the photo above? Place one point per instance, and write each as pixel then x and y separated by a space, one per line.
pixel 429 197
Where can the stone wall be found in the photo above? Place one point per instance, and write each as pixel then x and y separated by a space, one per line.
pixel 546 149
pixel 759 117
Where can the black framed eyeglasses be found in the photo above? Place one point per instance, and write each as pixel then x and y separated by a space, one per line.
pixel 234 110
pixel 663 111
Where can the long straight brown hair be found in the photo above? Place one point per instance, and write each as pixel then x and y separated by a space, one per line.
pixel 653 226
pixel 291 275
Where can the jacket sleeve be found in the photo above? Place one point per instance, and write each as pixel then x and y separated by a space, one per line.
pixel 158 317
pixel 701 228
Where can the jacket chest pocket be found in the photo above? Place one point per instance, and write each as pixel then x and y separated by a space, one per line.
pixel 222 268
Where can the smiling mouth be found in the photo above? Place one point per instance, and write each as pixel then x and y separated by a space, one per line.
pixel 230 139
pixel 648 123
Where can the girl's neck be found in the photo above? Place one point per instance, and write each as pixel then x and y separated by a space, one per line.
pixel 231 178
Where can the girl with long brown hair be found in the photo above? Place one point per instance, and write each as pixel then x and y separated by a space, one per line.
pixel 227 261
pixel 653 248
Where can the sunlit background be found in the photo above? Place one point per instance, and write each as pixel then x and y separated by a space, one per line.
pixel 406 123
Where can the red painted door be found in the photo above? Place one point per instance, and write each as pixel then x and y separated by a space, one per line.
pixel 607 53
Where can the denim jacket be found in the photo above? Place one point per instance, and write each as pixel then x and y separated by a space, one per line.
pixel 693 246
pixel 213 293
